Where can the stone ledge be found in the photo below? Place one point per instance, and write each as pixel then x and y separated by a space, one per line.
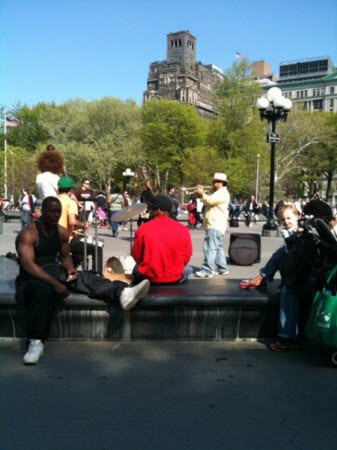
pixel 200 309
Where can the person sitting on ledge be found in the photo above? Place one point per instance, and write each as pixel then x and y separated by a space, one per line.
pixel 299 282
pixel 38 246
pixel 162 246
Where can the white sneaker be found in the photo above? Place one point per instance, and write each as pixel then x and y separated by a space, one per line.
pixel 130 295
pixel 34 352
pixel 204 274
pixel 223 272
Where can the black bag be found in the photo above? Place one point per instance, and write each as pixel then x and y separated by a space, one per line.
pixel 234 222
pixel 314 251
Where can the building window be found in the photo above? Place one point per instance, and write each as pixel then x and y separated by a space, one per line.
pixel 190 45
pixel 331 104
pixel 332 90
pixel 317 104
pixel 175 43
pixel 297 94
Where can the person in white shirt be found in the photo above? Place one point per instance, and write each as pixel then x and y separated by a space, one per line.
pixel 215 224
pixel 51 164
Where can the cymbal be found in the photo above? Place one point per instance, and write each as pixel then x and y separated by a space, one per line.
pixel 128 212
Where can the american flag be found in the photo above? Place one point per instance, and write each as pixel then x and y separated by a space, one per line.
pixel 238 55
pixel 12 122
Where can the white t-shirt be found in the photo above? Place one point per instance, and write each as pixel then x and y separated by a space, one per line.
pixel 46 183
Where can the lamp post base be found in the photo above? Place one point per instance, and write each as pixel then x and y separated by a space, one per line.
pixel 270 229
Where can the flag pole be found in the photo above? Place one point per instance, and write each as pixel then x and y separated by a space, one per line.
pixel 5 159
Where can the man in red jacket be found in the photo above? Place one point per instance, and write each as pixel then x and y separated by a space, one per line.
pixel 162 246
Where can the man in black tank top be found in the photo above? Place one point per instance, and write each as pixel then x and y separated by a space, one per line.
pixel 38 245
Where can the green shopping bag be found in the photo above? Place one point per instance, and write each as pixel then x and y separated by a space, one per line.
pixel 322 324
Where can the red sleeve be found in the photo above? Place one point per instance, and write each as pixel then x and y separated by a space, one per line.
pixel 136 251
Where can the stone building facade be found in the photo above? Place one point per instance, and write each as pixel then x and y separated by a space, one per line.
pixel 312 83
pixel 181 78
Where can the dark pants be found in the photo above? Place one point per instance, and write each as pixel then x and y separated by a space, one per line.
pixel 40 300
pixel 77 250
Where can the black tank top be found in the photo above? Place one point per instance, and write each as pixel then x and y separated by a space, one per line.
pixel 48 247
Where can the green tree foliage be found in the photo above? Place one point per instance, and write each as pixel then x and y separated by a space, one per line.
pixel 33 129
pixel 100 139
pixel 320 158
pixel 237 131
pixel 20 171
pixel 170 130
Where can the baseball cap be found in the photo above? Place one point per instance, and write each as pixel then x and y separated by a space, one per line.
pixel 161 202
pixel 65 183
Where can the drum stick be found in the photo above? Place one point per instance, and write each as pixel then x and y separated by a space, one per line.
pixel 96 242
pixel 85 236
pixel 131 235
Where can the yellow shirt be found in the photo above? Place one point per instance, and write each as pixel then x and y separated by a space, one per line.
pixel 69 206
pixel 216 213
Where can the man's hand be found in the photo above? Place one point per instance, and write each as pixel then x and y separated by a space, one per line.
pixel 199 191
pixel 72 275
pixel 61 289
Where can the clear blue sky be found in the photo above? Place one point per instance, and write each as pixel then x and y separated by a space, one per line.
pixel 54 50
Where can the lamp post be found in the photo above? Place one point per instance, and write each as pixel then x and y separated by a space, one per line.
pixel 272 107
pixel 127 174
pixel 257 178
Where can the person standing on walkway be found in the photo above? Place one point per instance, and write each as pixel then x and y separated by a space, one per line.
pixel 146 197
pixel 85 197
pixel 215 224
pixel 114 204
pixel 175 204
pixel 51 164
pixel 27 207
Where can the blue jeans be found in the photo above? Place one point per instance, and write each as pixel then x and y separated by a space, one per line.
pixel 273 264
pixel 26 218
pixel 188 272
pixel 214 255
pixel 295 303
pixel 113 225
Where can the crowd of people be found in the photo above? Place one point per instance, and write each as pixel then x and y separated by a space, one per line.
pixel 161 249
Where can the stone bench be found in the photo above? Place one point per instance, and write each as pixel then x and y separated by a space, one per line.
pixel 8 215
pixel 202 309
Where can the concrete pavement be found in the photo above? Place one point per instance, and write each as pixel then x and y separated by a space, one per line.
pixel 164 396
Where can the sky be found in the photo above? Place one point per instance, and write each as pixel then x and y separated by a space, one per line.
pixel 56 50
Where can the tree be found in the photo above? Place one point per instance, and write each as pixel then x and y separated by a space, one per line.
pixel 237 132
pixel 169 131
pixel 101 137
pixel 32 129
pixel 320 158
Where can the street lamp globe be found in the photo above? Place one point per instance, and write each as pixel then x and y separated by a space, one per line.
pixel 127 174
pixel 262 103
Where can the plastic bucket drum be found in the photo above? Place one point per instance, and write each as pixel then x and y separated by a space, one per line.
pixel 119 268
pixel 92 240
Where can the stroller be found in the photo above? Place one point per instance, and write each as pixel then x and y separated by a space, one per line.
pixel 101 218
pixel 315 250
